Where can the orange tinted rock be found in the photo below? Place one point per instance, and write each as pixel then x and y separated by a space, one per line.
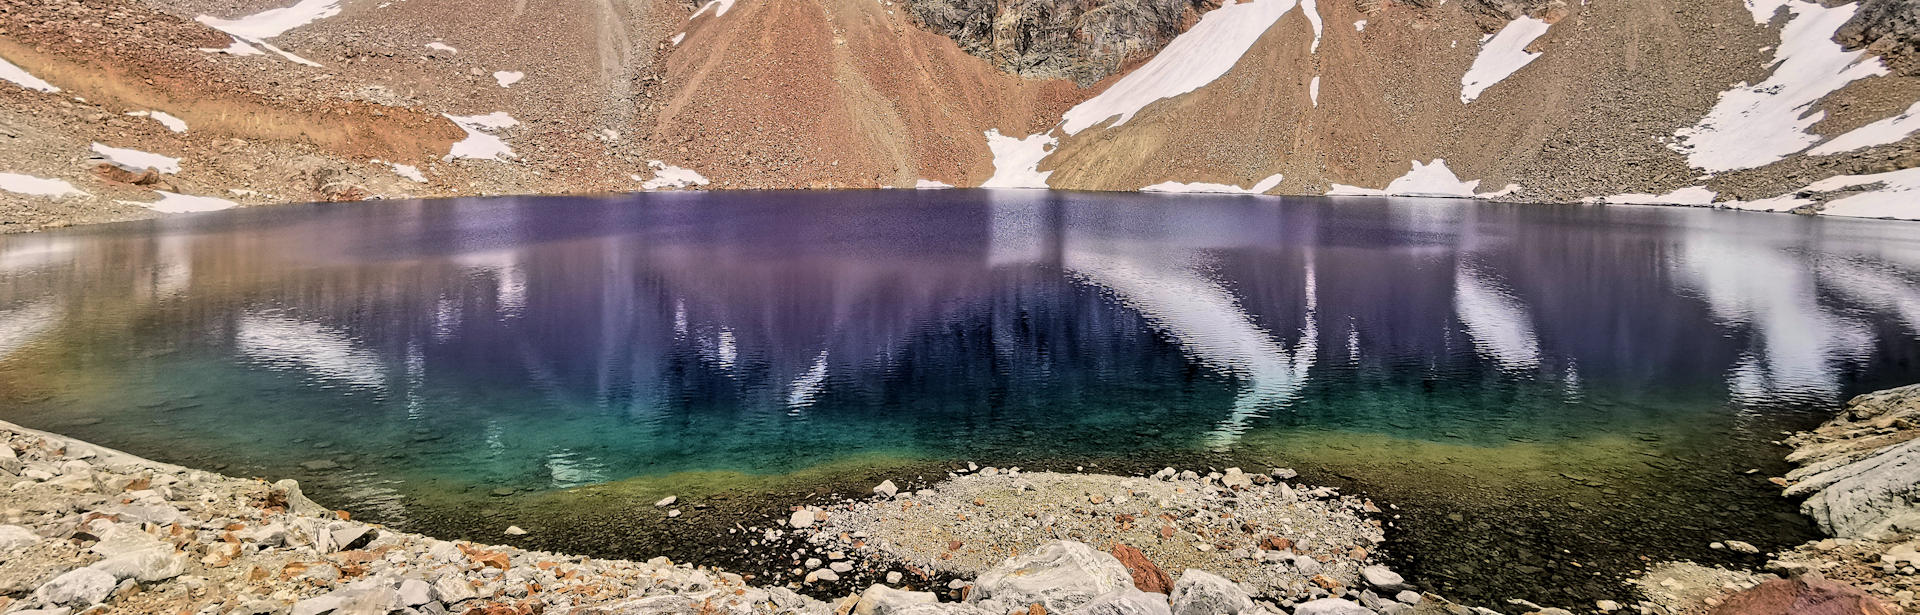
pixel 1806 595
pixel 1146 576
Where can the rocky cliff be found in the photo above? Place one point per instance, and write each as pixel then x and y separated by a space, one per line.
pixel 118 109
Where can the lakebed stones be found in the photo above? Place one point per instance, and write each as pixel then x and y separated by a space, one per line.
pixel 1262 533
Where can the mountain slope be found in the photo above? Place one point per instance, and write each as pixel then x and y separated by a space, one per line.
pixel 1752 104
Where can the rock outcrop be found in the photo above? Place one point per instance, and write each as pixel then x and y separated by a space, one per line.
pixel 1889 28
pixel 1861 471
pixel 1059 39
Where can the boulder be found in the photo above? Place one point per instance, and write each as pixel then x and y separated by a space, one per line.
pixel 657 605
pixel 801 518
pixel 1203 593
pixel 886 489
pixel 1125 602
pixel 1236 479
pixel 287 492
pixel 1804 595
pixel 82 587
pixel 883 600
pixel 1146 576
pixel 1384 579
pixel 149 566
pixel 1860 471
pixel 1331 606
pixel 415 592
pixel 1059 576
pixel 14 536
pixel 453 589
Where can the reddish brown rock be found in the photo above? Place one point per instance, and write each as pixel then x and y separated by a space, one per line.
pixel 1146 576
pixel 1806 595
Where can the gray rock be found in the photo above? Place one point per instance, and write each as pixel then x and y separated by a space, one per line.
pixel 1414 597
pixel 1059 576
pixel 1331 606
pixel 14 536
pixel 415 592
pixel 149 566
pixel 453 589
pixel 883 600
pixel 657 605
pixel 1862 493
pixel 1199 592
pixel 1125 602
pixel 82 587
pixel 886 488
pixel 317 605
pixel 1742 547
pixel 666 501
pixel 841 567
pixel 53 611
pixel 801 518
pixel 1384 579
pixel 1236 478
pixel 297 502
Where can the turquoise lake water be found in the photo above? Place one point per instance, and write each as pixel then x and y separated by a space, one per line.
pixel 1478 364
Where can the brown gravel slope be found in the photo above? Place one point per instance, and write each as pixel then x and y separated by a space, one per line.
pixel 837 93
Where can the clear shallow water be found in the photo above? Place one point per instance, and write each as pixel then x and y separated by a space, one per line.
pixel 1462 359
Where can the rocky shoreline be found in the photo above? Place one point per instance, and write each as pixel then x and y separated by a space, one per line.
pixel 89 530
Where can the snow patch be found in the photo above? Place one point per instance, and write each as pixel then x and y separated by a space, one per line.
pixel 1360 26
pixel 273 22
pixel 1885 131
pixel 1894 194
pixel 1433 179
pixel 1757 125
pixel 1312 10
pixel 137 161
pixel 668 176
pixel 679 37
pixel 439 46
pixel 1016 162
pixel 171 203
pixel 1192 60
pixel 20 78
pixel 1260 187
pixel 508 77
pixel 479 145
pixel 259 27
pixel 1691 195
pixel 165 119
pixel 928 184
pixel 37 186
pixel 1313 90
pixel 408 171
pixel 1501 56
pixel 719 8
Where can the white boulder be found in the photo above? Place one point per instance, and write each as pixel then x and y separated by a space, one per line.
pixel 1059 575
pixel 1199 592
